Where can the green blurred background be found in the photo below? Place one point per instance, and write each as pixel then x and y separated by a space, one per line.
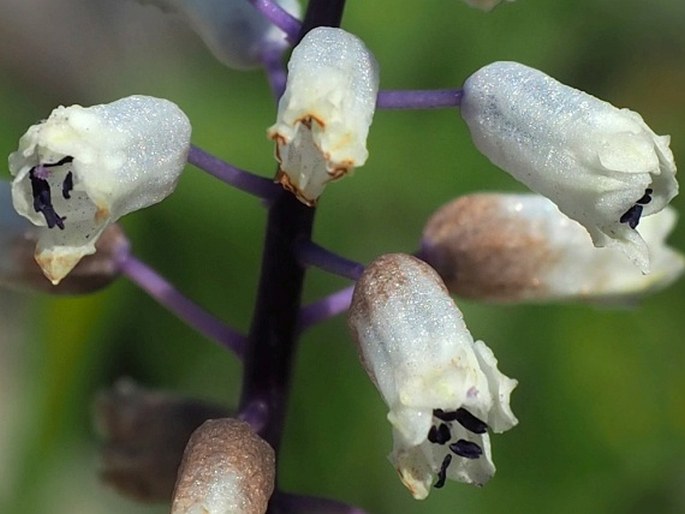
pixel 601 399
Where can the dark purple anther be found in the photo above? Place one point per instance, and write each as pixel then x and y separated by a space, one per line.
pixel 464 418
pixel 632 216
pixel 442 474
pixel 42 201
pixel 466 449
pixel 67 186
pixel 439 434
pixel 63 160
pixel 646 198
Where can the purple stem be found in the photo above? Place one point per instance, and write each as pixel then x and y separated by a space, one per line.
pixel 272 339
pixel 325 308
pixel 272 59
pixel 279 17
pixel 240 179
pixel 311 254
pixel 298 504
pixel 158 288
pixel 419 99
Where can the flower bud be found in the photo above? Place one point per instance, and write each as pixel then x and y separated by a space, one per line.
pixel 519 247
pixel 235 32
pixel 444 391
pixel 19 270
pixel 144 434
pixel 485 5
pixel 602 166
pixel 226 469
pixel 84 167
pixel 326 111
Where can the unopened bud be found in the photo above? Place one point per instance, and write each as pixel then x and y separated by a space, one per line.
pixel 226 469
pixel 144 434
pixel 520 247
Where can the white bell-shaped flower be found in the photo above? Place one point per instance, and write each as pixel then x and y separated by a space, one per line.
pixel 520 247
pixel 485 5
pixel 235 32
pixel 84 167
pixel 444 391
pixel 603 166
pixel 326 111
pixel 226 469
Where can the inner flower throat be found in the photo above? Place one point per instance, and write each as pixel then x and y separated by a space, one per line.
pixel 42 195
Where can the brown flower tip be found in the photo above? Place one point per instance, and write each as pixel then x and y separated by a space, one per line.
pixel 483 251
pixel 226 469
pixel 144 435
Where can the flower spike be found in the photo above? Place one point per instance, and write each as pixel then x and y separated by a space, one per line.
pixel 444 391
pixel 326 111
pixel 84 167
pixel 519 247
pixel 603 166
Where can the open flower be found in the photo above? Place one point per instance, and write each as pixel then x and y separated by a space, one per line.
pixel 326 111
pixel 519 247
pixel 84 167
pixel 235 32
pixel 485 5
pixel 603 166
pixel 444 391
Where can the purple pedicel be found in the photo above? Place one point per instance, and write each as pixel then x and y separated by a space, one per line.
pixel 276 74
pixel 419 99
pixel 279 17
pixel 311 254
pixel 240 179
pixel 325 308
pixel 168 296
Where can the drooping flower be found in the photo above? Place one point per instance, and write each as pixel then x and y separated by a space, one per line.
pixel 602 166
pixel 326 111
pixel 485 5
pixel 444 391
pixel 226 469
pixel 84 167
pixel 520 247
pixel 236 33
pixel 19 270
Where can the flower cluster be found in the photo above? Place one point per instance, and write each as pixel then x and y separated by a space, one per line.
pixel 599 172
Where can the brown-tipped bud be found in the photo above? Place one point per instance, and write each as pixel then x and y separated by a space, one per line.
pixel 520 247
pixel 226 469
pixel 145 433
pixel 20 271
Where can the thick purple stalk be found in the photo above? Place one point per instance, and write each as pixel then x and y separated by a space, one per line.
pixel 240 179
pixel 274 68
pixel 325 308
pixel 273 332
pixel 296 504
pixel 311 254
pixel 279 17
pixel 419 99
pixel 167 295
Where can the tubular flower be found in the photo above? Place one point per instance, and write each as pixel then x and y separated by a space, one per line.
pixel 326 111
pixel 603 166
pixel 84 167
pixel 485 5
pixel 519 247
pixel 444 391
pixel 234 31
pixel 226 469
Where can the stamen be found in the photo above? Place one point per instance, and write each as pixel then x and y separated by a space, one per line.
pixel 442 474
pixel 464 418
pixel 439 434
pixel 646 198
pixel 632 216
pixel 64 160
pixel 67 186
pixel 466 449
pixel 42 200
